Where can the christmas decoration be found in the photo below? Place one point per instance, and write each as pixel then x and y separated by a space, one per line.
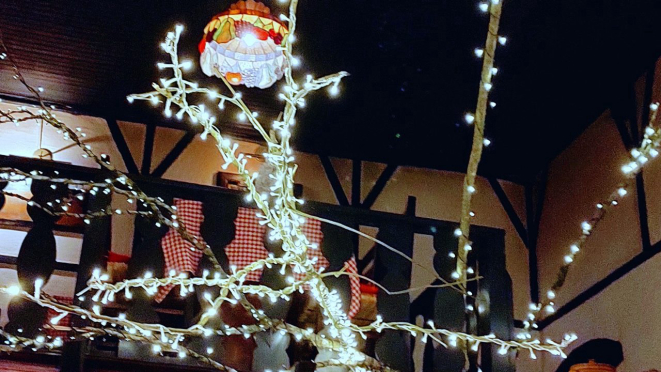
pixel 243 45
pixel 277 208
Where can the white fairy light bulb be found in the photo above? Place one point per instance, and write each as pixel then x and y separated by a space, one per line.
pixel 156 348
pixel 574 248
pixel 585 225
pixel 57 319
pixel 212 312
pixel 38 284
pixel 457 232
pixel 484 7
pixel 502 40
pixel 569 259
pixel 14 290
pixel 186 65
pixel 455 275
pixel 486 142
pixel 334 90
pixel 479 52
pixel 469 118
pixel 488 86
pixel 471 189
pixel 295 61
pixel 626 169
pixel 621 191
pixel 550 294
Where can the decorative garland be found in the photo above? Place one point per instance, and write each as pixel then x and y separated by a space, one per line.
pixel 649 149
pixel 277 209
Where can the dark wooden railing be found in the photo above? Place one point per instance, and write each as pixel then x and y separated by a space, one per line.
pixel 493 312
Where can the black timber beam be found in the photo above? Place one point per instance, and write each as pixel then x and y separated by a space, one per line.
pixel 61 266
pixel 379 185
pixel 509 209
pixel 600 285
pixel 624 133
pixel 334 180
pixel 122 146
pixel 640 181
pixel 356 176
pixel 642 212
pixel 148 150
pixel 533 218
pixel 176 151
pixel 626 112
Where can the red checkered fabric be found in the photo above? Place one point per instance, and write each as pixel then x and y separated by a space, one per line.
pixel 65 322
pixel 312 231
pixel 180 255
pixel 248 244
pixel 248 247
pixel 354 281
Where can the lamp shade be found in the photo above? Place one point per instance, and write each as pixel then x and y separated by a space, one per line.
pixel 592 366
pixel 242 44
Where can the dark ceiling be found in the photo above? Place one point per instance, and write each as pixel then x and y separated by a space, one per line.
pixel 413 71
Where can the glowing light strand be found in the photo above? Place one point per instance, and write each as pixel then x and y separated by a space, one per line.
pixel 640 156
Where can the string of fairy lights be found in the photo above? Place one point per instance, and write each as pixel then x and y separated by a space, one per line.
pixel 277 209
pixel 640 156
pixel 478 120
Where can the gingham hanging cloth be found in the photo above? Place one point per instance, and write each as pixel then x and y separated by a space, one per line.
pixel 248 247
pixel 180 255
